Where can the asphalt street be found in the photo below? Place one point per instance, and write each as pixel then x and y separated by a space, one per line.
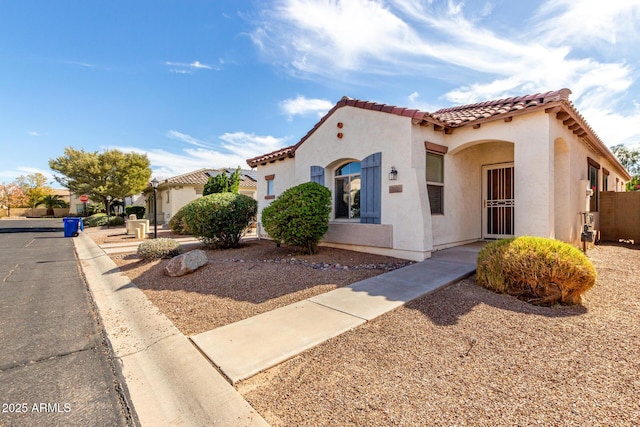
pixel 55 365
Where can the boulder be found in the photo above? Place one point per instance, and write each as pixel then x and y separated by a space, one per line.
pixel 186 263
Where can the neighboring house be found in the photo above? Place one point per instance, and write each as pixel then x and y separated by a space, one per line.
pixel 173 193
pixel 406 182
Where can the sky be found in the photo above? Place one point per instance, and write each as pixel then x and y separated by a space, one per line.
pixel 209 83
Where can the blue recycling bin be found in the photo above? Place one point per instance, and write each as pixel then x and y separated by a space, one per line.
pixel 72 226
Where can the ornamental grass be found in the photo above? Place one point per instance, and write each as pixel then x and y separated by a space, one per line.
pixel 537 270
pixel 159 248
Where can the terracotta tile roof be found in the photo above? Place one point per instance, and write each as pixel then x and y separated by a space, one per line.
pixel 466 114
pixel 201 177
pixel 416 115
pixel 448 119
pixel 196 177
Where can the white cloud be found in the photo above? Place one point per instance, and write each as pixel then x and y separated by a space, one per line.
pixel 188 68
pixel 173 134
pixel 232 150
pixel 82 64
pixel 580 45
pixel 10 175
pixel 301 106
pixel 587 21
pixel 34 133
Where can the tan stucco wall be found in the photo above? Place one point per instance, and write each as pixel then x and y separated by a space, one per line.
pixel 364 133
pixel 572 167
pixel 549 162
pixel 284 177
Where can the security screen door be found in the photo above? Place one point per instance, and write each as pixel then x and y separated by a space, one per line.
pixel 498 201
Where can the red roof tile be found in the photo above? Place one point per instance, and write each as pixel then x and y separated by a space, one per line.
pixel 201 177
pixel 465 114
pixel 448 119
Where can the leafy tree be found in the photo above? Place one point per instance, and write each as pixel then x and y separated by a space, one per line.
pixel 299 216
pixel 222 183
pixel 51 201
pixel 634 184
pixel 34 187
pixel 629 158
pixel 234 181
pixel 98 175
pixel 12 196
pixel 216 184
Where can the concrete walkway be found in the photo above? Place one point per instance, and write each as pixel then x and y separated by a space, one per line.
pixel 245 348
pixel 169 381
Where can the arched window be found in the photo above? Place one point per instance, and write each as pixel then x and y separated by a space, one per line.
pixel 347 178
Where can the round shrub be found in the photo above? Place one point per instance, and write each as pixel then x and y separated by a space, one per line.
pixel 159 248
pixel 135 209
pixel 177 223
pixel 220 219
pixel 535 269
pixel 100 219
pixel 299 216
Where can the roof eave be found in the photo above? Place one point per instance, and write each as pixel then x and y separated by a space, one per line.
pixel 570 117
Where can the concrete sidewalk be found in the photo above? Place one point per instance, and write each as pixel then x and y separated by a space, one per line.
pixel 245 348
pixel 169 381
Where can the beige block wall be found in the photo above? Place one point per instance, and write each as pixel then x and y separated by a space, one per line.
pixel 34 212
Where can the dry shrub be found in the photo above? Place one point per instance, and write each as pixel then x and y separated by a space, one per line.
pixel 537 270
pixel 159 248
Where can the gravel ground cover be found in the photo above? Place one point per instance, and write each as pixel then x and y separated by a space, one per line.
pixel 467 356
pixel 240 283
pixel 460 356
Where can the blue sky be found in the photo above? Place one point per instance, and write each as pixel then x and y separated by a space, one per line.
pixel 198 83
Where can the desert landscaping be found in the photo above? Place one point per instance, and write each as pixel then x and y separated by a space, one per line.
pixel 460 356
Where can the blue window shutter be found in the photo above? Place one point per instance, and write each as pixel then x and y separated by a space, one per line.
pixel 371 189
pixel 317 174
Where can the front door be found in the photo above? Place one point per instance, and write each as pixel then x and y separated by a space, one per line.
pixel 498 201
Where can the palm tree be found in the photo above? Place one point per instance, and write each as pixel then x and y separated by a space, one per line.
pixel 52 201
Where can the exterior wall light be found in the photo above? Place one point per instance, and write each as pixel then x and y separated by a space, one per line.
pixel 393 175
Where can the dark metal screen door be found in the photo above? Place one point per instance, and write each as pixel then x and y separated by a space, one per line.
pixel 498 201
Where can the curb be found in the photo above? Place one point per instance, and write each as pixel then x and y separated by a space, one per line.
pixel 169 381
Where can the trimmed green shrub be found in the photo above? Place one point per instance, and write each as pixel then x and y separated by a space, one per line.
pixel 100 219
pixel 220 219
pixel 159 248
pixel 535 269
pixel 177 223
pixel 299 216
pixel 137 210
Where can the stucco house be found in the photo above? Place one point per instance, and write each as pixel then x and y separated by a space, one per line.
pixel 175 192
pixel 407 182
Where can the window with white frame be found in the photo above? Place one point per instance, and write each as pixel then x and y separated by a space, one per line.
pixel 347 194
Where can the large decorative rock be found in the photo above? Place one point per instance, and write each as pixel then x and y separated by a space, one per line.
pixel 186 263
